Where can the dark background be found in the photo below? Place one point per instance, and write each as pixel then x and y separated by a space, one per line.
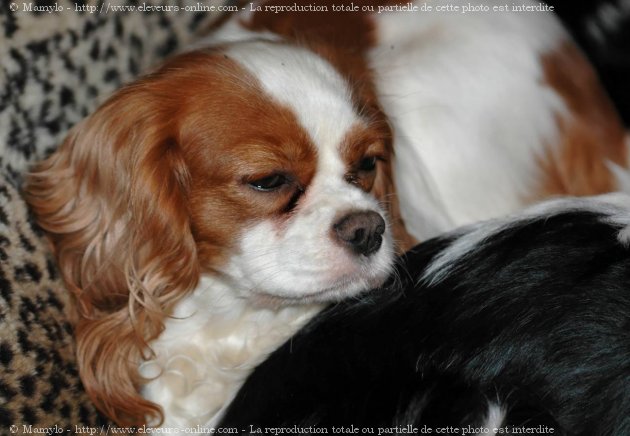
pixel 602 29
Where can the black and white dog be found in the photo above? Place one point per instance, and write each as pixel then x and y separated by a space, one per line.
pixel 517 326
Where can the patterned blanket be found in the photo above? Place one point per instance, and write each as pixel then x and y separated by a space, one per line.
pixel 55 68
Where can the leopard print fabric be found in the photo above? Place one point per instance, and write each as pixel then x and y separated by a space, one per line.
pixel 39 383
pixel 55 69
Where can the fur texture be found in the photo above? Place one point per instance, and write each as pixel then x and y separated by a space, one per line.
pixel 511 323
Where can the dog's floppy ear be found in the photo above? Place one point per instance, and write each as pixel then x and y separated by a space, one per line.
pixel 385 190
pixel 113 199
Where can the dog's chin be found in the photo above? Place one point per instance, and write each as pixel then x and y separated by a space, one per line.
pixel 346 287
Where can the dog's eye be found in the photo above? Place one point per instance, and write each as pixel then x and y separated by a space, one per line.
pixel 269 183
pixel 368 164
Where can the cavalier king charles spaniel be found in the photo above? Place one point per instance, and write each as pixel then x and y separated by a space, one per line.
pixel 205 212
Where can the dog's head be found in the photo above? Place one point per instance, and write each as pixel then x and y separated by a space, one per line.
pixel 258 162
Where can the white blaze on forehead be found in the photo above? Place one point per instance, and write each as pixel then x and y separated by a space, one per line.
pixel 309 86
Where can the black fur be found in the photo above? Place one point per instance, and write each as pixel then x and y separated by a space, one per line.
pixel 536 318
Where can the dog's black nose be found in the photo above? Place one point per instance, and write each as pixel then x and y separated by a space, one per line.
pixel 361 231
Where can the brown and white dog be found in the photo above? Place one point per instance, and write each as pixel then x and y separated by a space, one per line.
pixel 206 211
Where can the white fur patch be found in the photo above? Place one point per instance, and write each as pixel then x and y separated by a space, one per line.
pixel 470 110
pixel 303 82
pixel 494 418
pixel 210 345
